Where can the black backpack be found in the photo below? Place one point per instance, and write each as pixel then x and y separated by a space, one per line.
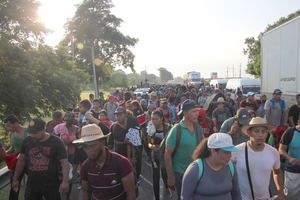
pixel 199 136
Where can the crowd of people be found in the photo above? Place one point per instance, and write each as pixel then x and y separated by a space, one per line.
pixel 205 143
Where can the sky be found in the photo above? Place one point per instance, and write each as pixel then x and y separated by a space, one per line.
pixel 182 36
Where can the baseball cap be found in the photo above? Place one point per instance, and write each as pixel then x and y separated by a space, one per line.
pixel 277 91
pixel 36 125
pixel 221 141
pixel 243 116
pixel 111 97
pixel 250 94
pixel 144 102
pixel 120 110
pixel 187 105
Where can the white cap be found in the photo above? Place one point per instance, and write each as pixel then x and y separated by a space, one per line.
pixel 250 94
pixel 221 141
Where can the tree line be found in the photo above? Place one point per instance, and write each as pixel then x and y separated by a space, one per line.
pixel 36 79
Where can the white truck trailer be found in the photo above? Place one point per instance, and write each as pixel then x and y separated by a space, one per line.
pixel 280 60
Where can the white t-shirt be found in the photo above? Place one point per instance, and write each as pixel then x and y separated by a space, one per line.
pixel 260 165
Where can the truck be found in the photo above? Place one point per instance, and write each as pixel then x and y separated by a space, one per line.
pixel 245 85
pixel 219 83
pixel 192 79
pixel 280 60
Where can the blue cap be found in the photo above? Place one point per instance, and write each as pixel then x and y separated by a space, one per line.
pixel 277 91
pixel 187 105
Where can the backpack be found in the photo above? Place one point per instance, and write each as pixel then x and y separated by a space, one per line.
pixel 200 167
pixel 199 136
pixel 115 160
pixel 210 125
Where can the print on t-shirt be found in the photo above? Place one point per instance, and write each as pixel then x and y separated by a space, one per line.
pixel 39 158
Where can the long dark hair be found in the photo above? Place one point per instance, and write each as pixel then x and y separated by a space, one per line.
pixel 159 113
pixel 202 151
pixel 138 108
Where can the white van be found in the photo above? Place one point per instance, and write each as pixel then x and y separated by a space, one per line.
pixel 219 83
pixel 245 85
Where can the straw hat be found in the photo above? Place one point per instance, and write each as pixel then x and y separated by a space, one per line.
pixel 256 122
pixel 221 100
pixel 89 133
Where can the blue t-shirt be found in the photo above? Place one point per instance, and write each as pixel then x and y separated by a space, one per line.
pixel 291 138
pixel 1 144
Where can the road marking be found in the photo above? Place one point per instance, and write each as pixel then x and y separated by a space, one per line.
pixel 147 163
pixel 146 180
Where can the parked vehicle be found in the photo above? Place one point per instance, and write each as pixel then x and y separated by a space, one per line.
pixel 192 79
pixel 245 85
pixel 280 55
pixel 219 83
pixel 141 91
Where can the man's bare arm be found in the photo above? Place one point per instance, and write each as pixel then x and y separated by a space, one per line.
pixel 129 186
pixel 169 166
pixel 84 191
pixel 18 171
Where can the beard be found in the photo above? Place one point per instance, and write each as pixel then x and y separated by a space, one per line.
pixel 100 152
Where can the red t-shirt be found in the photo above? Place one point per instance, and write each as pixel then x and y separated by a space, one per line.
pixel 205 126
pixel 106 183
pixel 108 123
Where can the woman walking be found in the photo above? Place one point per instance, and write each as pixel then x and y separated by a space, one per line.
pixel 212 176
pixel 157 132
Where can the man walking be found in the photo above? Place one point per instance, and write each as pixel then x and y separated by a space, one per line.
pixel 17 134
pixel 233 126
pixel 119 129
pixel 289 148
pixel 181 143
pixel 276 110
pixel 256 161
pixel 294 112
pixel 44 155
pixel 105 175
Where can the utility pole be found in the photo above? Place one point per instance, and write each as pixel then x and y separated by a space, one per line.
pixel 94 70
pixel 240 70
pixel 227 71
pixel 233 71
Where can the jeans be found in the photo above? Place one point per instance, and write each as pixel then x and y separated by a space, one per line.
pixel 156 178
pixel 178 182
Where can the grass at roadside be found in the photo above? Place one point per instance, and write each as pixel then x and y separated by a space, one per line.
pixel 4 192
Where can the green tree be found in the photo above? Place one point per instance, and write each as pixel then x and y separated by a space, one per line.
pixel 132 79
pixel 119 79
pixel 19 21
pixel 35 79
pixel 252 51
pixel 179 80
pixel 95 26
pixel 165 75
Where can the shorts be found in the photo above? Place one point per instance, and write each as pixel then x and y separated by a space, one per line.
pixel 292 185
